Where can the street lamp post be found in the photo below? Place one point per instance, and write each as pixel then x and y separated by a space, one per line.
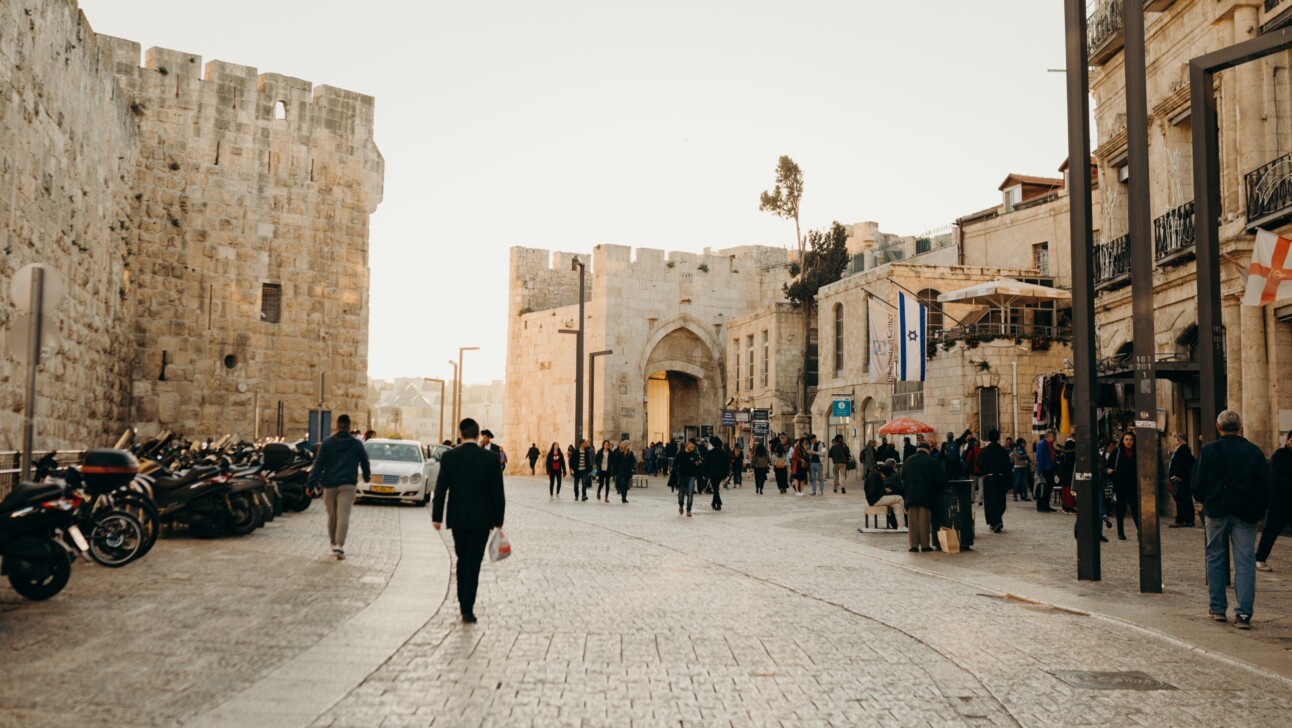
pixel 592 387
pixel 453 406
pixel 577 264
pixel 457 394
pixel 441 383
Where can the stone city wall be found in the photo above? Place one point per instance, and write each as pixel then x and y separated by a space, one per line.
pixel 635 303
pixel 171 199
pixel 67 165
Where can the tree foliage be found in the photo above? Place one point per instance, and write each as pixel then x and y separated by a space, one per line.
pixel 824 262
pixel 783 200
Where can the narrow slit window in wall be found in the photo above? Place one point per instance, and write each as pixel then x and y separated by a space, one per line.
pixel 271 302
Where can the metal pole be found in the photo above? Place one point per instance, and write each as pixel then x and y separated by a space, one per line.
pixel 1212 371
pixel 1083 290
pixel 441 383
pixel 1142 263
pixel 33 361
pixel 592 387
pixel 454 404
pixel 578 361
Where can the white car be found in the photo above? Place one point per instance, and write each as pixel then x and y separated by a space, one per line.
pixel 400 472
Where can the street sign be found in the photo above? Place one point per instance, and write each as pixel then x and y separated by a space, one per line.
pixel 742 416
pixel 20 338
pixel 20 287
pixel 841 408
pixel 728 418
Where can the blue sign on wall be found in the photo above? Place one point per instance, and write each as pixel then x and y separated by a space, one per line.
pixel 841 408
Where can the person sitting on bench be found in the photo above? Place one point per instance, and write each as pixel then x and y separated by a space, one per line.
pixel 884 488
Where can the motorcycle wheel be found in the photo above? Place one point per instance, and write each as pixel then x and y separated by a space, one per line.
pixel 277 497
pixel 38 582
pixel 143 509
pixel 244 515
pixel 116 540
pixel 300 503
pixel 207 525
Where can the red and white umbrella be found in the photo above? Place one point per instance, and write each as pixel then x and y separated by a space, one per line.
pixel 905 426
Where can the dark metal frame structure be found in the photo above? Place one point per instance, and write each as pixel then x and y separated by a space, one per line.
pixel 1208 208
pixel 1206 155
pixel 1083 291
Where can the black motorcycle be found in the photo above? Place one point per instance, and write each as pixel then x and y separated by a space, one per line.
pixel 39 538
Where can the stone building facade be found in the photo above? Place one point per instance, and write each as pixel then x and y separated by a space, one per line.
pixel 764 364
pixel 976 377
pixel 1255 120
pixel 664 316
pixel 211 222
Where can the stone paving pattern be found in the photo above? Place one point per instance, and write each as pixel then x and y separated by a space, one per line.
pixel 773 612
pixel 631 615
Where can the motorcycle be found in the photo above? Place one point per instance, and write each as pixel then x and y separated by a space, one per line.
pixel 39 538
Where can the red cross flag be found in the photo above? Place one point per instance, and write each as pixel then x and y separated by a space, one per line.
pixel 1270 275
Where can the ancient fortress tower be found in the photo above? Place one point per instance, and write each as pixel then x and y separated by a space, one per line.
pixel 211 225
pixel 663 315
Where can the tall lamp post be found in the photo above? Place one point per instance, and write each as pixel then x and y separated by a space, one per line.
pixel 576 264
pixel 457 394
pixel 592 387
pixel 453 406
pixel 441 383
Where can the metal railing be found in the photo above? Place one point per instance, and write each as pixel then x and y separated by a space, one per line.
pixel 1269 191
pixel 9 475
pixel 1173 233
pixel 1112 263
pixel 889 254
pixel 987 330
pixel 1104 24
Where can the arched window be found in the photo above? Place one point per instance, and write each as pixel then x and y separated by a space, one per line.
pixel 280 110
pixel 1187 343
pixel 838 339
pixel 929 299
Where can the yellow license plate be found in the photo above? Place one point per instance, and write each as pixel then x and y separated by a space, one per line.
pixel 382 489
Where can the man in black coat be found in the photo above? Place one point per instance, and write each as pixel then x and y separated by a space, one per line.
pixel 922 481
pixel 997 471
pixel 1231 479
pixel 477 504
pixel 1178 472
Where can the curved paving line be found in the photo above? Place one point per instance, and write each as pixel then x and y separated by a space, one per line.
pixel 955 704
pixel 297 692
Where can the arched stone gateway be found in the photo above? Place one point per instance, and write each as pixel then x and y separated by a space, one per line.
pixel 683 384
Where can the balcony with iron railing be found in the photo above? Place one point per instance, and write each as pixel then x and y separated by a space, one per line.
pixel 1173 238
pixel 1112 264
pixel 987 331
pixel 1269 193
pixel 1104 36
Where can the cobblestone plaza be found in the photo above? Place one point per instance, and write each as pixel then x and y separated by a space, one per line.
pixel 773 612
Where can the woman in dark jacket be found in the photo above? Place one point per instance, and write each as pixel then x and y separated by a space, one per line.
pixel 716 466
pixel 602 465
pixel 1125 483
pixel 687 465
pixel 555 467
pixel 762 462
pixel 1063 469
pixel 624 465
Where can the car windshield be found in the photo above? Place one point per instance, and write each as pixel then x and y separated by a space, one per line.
pixel 398 452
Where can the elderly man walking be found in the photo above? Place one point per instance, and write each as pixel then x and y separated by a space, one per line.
pixel 1232 481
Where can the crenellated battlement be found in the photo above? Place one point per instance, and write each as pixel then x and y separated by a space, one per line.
pixel 270 96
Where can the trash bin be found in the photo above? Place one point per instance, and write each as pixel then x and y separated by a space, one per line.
pixel 955 510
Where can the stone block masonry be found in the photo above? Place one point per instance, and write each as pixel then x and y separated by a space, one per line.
pixel 212 222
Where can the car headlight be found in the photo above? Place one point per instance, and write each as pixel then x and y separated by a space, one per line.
pixel 415 478
pixel 403 479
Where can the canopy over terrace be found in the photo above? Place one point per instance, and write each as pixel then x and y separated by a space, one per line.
pixel 1004 293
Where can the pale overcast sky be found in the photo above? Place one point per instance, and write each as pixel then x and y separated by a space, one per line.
pixel 566 123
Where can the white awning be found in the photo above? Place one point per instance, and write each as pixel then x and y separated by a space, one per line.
pixel 1005 292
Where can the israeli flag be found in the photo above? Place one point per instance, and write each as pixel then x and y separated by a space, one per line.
pixel 912 321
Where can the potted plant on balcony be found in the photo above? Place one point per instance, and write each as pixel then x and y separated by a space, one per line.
pixel 1040 342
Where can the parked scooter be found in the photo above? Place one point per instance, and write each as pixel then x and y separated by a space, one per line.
pixel 39 538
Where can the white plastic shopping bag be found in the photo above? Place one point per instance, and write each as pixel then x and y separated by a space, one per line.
pixel 499 546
